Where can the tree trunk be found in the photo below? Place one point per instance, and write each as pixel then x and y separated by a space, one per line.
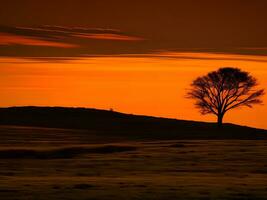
pixel 220 120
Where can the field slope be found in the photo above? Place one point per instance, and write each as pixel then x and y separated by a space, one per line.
pixel 109 123
pixel 80 154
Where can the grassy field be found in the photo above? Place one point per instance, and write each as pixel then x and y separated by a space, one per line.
pixel 38 163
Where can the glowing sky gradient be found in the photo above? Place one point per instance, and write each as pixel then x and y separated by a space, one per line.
pixel 141 85
pixel 132 56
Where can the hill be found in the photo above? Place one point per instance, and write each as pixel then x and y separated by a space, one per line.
pixel 112 123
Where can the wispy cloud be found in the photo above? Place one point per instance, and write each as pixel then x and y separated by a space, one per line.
pixel 61 33
pixel 37 41
pixel 42 42
pixel 109 36
pixel 11 39
pixel 209 56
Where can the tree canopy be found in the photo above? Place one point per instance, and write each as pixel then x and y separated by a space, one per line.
pixel 225 89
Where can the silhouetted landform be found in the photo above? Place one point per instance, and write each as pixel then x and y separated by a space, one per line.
pixel 66 152
pixel 116 124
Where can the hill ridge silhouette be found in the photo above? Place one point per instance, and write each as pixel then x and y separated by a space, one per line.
pixel 108 122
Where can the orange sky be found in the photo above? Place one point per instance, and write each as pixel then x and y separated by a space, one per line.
pixel 150 85
pixel 132 56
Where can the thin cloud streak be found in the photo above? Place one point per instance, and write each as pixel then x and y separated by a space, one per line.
pixel 109 36
pixel 74 41
pixel 159 55
pixel 35 42
pixel 11 39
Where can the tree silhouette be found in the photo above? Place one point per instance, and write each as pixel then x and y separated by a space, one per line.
pixel 225 89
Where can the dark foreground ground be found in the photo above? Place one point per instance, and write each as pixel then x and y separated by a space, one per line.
pixel 52 164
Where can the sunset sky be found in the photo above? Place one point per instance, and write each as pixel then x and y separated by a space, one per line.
pixel 132 56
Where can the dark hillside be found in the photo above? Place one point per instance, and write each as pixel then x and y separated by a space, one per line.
pixel 119 124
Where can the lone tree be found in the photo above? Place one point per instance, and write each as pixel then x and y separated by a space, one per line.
pixel 225 89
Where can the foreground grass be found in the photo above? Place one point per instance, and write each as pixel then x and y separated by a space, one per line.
pixel 61 153
pixel 195 169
